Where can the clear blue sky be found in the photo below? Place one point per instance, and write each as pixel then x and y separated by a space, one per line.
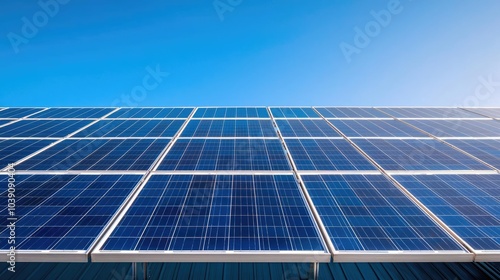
pixel 96 53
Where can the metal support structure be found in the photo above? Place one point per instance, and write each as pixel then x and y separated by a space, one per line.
pixel 314 271
pixel 145 272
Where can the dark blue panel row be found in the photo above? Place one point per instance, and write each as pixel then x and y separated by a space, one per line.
pixel 429 113
pixel 217 213
pixel 152 113
pixel 98 155
pixel 14 150
pixel 376 128
pixel 395 154
pixel 235 112
pixel 351 112
pixel 73 113
pixel 367 212
pixel 63 212
pixel 225 154
pixel 229 128
pixel 42 128
pixel 326 154
pixel 459 128
pixel 294 112
pixel 486 150
pixel 132 128
pixel 468 204
pixel 18 112
pixel 306 128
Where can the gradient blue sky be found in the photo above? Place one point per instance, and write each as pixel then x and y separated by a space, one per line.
pixel 92 53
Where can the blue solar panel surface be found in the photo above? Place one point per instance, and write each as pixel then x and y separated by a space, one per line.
pixel 367 212
pixel 459 128
pixel 18 112
pixel 229 128
pixel 42 128
pixel 468 204
pixel 223 212
pixel 14 150
pixel 294 112
pixel 351 112
pixel 430 113
pixel 2 122
pixel 73 113
pixel 64 212
pixel 100 154
pixel 326 154
pixel 132 128
pixel 486 150
pixel 413 154
pixel 155 113
pixel 234 112
pixel 489 112
pixel 226 154
pixel 376 128
pixel 306 128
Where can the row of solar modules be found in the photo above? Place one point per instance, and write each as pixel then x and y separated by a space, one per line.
pixel 203 217
pixel 252 112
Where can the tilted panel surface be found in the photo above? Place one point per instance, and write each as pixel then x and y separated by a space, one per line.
pixel 490 112
pixel 306 128
pixel 42 128
pixel 232 112
pixel 132 128
pixel 73 113
pixel 294 112
pixel 350 112
pixel 376 128
pixel 459 128
pixel 154 113
pixel 18 112
pixel 229 128
pixel 485 150
pixel 429 113
pixel 14 150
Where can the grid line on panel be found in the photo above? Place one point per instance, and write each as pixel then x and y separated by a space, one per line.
pixel 476 111
pixel 376 128
pixel 231 113
pixel 73 113
pixel 487 150
pixel 476 128
pixel 409 195
pixel 351 113
pixel 292 112
pixel 22 116
pixel 152 112
pixel 428 113
pixel 60 140
pixel 229 128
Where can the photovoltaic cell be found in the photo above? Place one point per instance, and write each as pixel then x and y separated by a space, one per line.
pixel 154 113
pixel 64 212
pixel 14 150
pixel 217 213
pixel 459 128
pixel 490 112
pixel 232 112
pixel 42 128
pixel 351 112
pixel 73 113
pixel 101 154
pixel 294 112
pixel 306 128
pixel 369 213
pixel 229 128
pixel 18 112
pixel 413 154
pixel 486 150
pixel 132 128
pixel 468 204
pixel 326 154
pixel 429 113
pixel 376 128
pixel 2 122
pixel 226 154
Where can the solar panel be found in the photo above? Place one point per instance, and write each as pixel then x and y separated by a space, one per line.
pixel 18 112
pixel 232 112
pixel 132 128
pixel 468 204
pixel 42 128
pixel 413 154
pixel 459 128
pixel 2 122
pixel 154 113
pixel 306 128
pixel 376 128
pixel 368 213
pixel 226 154
pixel 229 128
pixel 430 113
pixel 489 112
pixel 294 112
pixel 61 214
pixel 13 150
pixel 351 112
pixel 100 154
pixel 486 150
pixel 326 154
pixel 73 113
pixel 206 214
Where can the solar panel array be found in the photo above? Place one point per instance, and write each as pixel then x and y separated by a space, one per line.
pixel 300 184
